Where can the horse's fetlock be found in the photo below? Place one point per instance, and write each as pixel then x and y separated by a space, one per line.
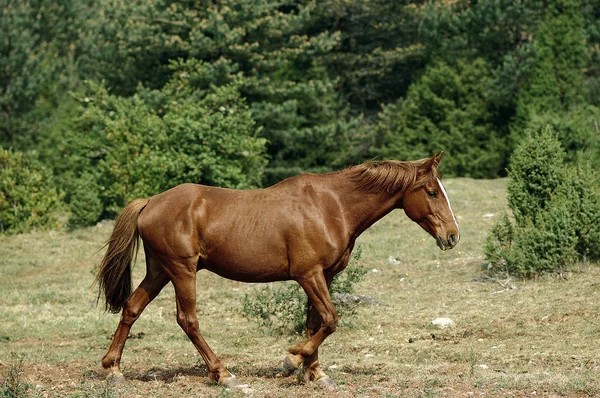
pixel 293 361
pixel 108 361
pixel 330 324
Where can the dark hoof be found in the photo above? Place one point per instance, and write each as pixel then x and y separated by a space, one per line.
pixel 287 368
pixel 326 382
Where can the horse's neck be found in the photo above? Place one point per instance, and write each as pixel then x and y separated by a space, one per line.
pixel 362 209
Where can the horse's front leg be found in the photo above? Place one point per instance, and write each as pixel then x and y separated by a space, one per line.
pixel 311 369
pixel 321 321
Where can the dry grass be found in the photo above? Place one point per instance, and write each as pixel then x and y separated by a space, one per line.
pixel 511 339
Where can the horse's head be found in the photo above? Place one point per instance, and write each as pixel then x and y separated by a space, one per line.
pixel 427 204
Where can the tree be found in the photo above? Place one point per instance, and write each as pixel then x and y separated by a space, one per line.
pixel 555 92
pixel 445 110
pixel 37 62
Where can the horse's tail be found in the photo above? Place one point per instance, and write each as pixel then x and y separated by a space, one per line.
pixel 114 275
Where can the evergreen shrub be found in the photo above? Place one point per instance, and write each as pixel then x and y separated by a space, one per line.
pixel 556 209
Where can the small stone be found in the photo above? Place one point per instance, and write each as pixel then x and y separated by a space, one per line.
pixel 369 355
pixel 393 261
pixel 443 323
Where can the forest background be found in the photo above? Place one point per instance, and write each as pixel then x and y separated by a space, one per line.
pixel 104 101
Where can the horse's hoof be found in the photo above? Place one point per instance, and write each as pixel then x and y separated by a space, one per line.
pixel 327 382
pixel 287 368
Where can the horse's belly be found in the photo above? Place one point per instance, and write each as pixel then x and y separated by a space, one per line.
pixel 247 271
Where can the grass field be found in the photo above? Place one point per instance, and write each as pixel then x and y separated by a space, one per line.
pixel 512 338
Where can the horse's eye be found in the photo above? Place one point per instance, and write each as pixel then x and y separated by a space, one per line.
pixel 432 194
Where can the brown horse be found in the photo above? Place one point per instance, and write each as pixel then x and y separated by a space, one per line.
pixel 301 229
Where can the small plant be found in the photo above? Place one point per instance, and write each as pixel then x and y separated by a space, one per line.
pixel 556 208
pixel 13 385
pixel 282 308
pixel 472 362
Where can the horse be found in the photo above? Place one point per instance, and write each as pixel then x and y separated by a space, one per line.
pixel 302 228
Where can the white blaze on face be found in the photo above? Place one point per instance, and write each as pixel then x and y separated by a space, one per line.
pixel 449 206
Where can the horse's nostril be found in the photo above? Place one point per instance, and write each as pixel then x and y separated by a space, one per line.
pixel 452 239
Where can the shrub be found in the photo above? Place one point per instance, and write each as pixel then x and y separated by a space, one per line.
pixel 556 208
pixel 28 198
pixel 545 243
pixel 536 170
pixel 282 309
pixel 13 385
pixel 118 149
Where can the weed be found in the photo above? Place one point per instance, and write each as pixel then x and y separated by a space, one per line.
pixel 429 393
pixel 472 362
pixel 13 385
pixel 107 390
pixel 282 309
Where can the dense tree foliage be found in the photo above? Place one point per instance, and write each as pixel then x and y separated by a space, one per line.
pixel 125 98
pixel 28 199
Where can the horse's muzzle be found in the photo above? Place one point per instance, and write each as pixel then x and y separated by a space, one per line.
pixel 447 244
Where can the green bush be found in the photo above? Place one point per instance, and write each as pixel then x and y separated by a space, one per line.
pixel 121 148
pixel 28 199
pixel 536 170
pixel 282 308
pixel 585 205
pixel 556 208
pixel 547 242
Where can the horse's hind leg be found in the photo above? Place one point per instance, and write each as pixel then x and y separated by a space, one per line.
pixel 185 293
pixel 148 289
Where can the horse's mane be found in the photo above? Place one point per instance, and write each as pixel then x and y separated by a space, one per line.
pixel 390 175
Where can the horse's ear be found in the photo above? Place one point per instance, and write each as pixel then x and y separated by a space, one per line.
pixel 434 161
